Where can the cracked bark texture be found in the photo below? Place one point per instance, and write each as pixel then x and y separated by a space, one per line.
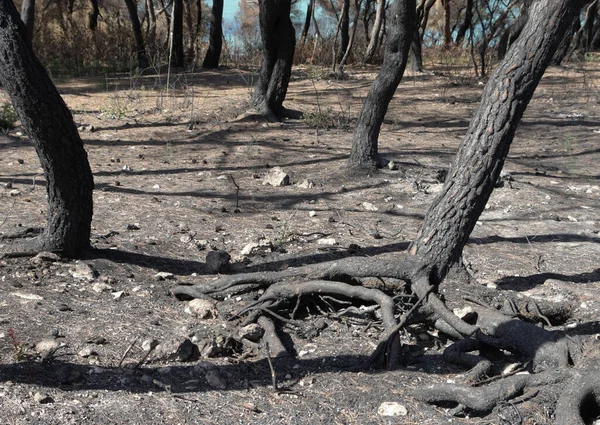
pixel 364 153
pixel 454 213
pixel 49 124
pixel 279 42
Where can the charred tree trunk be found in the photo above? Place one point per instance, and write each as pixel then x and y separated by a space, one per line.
pixel 447 26
pixel 465 24
pixel 177 56
pixel 450 220
pixel 49 124
pixel 306 26
pixel 364 154
pixel 213 54
pixel 511 33
pixel 375 31
pixel 93 15
pixel 374 38
pixel 28 17
pixel 416 52
pixel 279 41
pixel 565 44
pixel 344 27
pixel 140 48
pixel 346 55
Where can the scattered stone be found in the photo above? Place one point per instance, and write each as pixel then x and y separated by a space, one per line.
pixel 252 332
pixel 312 213
pixel 86 352
pixel 367 206
pixel 156 186
pixel 83 271
pixel 164 276
pixel 177 351
pixel 101 287
pixel 327 241
pixel 393 165
pixel 217 261
pixel 42 398
pixel 306 184
pixel 247 250
pixel 14 192
pixel 47 345
pixel 8 185
pixel 276 177
pixel 434 188
pixel 64 307
pixel 118 295
pixel 28 296
pixel 133 226
pixel 391 408
pixel 149 345
pixel 203 309
pixel 20 161
pixel 215 379
pixel 127 168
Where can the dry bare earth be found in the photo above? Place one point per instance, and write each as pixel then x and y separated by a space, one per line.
pixel 167 168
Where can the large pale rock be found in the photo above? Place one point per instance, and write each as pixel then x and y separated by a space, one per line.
pixel 276 177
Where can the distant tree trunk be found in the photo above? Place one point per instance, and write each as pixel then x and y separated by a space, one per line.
pixel 374 37
pixel 140 48
pixel 279 42
pixel 364 154
pixel 342 63
pixel 28 17
pixel 423 16
pixel 216 36
pixel 480 158
pixel 565 44
pixel 93 15
pixel 49 124
pixel 447 30
pixel 416 52
pixel 588 26
pixel 177 52
pixel 513 31
pixel 344 30
pixel 306 26
pixel 465 24
pixel 151 30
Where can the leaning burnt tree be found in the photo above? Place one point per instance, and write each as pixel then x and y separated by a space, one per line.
pixel 49 124
pixel 401 28
pixel 424 271
pixel 279 42
pixel 140 47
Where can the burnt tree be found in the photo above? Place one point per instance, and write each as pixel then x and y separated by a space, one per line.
pixel 437 249
pixel 28 17
pixel 309 16
pixel 49 124
pixel 374 37
pixel 93 15
pixel 140 47
pixel 176 54
pixel 213 54
pixel 279 42
pixel 401 30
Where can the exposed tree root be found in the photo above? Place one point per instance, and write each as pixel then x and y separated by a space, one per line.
pixel 548 354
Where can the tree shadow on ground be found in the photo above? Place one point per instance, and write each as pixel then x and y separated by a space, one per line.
pixel 523 283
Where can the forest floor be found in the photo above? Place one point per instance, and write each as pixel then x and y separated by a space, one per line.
pixel 177 176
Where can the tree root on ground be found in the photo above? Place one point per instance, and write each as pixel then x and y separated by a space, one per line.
pixel 548 355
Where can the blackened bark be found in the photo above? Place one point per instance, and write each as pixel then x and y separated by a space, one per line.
pixel 177 56
pixel 140 48
pixel 306 26
pixel 216 36
pixel 465 24
pixel 93 15
pixel 401 29
pixel 377 25
pixel 447 31
pixel 279 42
pixel 344 30
pixel 416 52
pixel 452 216
pixel 28 17
pixel 49 124
pixel 513 31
